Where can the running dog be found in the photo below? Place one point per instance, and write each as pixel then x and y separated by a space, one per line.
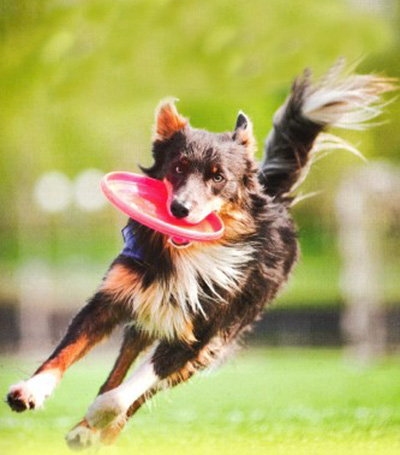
pixel 186 307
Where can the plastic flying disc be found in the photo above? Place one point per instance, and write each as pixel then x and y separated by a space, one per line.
pixel 145 200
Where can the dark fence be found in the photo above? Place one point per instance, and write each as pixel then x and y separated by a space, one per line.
pixel 278 327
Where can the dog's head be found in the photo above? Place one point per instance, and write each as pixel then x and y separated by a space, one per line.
pixel 203 171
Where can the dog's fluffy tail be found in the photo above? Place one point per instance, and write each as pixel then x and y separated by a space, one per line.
pixel 298 136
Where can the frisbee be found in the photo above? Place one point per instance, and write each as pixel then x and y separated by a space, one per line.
pixel 145 200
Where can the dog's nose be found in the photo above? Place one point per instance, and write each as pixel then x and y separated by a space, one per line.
pixel 179 210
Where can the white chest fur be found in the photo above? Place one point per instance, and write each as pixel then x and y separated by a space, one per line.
pixel 164 309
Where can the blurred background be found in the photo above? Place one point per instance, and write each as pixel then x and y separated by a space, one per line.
pixel 79 82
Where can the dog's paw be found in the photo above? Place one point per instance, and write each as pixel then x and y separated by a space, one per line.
pixel 105 411
pixel 20 397
pixel 82 436
pixel 32 393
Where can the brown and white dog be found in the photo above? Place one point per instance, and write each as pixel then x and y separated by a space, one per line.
pixel 187 307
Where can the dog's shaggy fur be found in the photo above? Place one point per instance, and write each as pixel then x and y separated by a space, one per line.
pixel 188 306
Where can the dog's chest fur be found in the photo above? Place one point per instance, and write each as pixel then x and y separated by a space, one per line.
pixel 167 306
pixel 172 290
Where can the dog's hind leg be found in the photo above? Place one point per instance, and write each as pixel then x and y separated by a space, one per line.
pixel 95 321
pixel 134 342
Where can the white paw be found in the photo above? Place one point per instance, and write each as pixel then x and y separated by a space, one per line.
pixel 31 394
pixel 106 410
pixel 20 397
pixel 82 437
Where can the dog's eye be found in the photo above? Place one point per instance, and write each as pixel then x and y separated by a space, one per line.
pixel 179 169
pixel 218 178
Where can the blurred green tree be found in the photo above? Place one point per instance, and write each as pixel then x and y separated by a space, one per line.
pixel 79 82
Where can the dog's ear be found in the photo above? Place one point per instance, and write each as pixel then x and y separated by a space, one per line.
pixel 168 120
pixel 243 133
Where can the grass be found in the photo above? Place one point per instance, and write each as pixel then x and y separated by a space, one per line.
pixel 263 402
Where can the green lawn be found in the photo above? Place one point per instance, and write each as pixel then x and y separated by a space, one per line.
pixel 264 401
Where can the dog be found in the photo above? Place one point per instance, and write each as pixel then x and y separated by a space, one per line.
pixel 187 306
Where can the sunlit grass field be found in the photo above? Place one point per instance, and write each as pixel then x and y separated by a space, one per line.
pixel 262 402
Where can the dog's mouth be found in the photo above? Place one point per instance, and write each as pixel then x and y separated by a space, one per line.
pixel 179 243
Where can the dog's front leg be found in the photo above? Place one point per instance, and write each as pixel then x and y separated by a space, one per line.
pixel 82 435
pixel 109 434
pixel 96 320
pixel 113 405
pixel 163 362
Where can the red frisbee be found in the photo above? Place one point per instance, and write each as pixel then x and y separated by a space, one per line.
pixel 145 200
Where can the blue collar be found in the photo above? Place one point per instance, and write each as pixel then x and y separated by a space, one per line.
pixel 131 247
